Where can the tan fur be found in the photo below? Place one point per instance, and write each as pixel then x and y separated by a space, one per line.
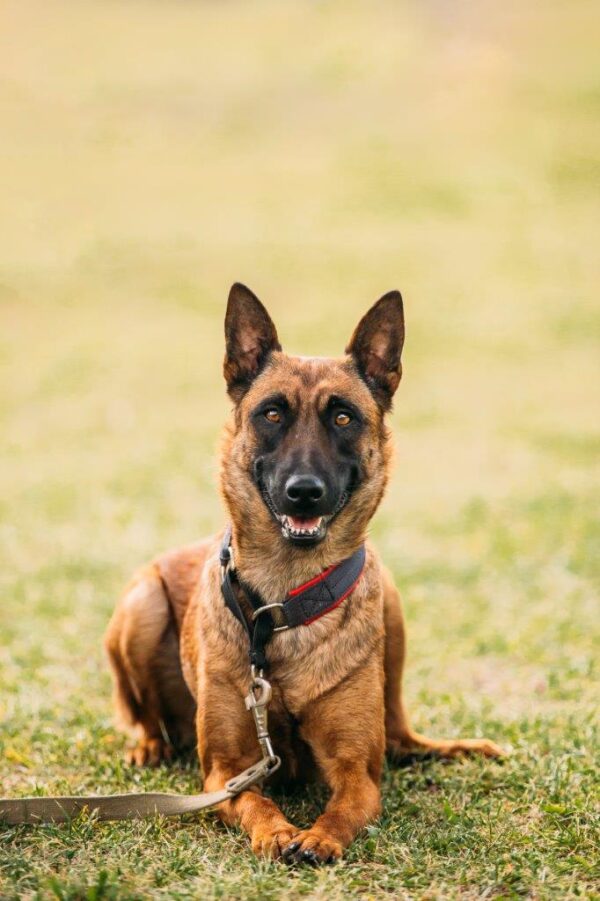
pixel 337 701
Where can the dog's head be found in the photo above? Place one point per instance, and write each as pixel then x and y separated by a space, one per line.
pixel 306 456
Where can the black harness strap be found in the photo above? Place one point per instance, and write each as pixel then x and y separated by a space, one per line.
pixel 302 606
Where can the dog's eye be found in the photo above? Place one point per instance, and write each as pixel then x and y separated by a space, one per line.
pixel 342 420
pixel 273 415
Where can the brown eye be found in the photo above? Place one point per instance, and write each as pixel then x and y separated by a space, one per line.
pixel 273 415
pixel 343 419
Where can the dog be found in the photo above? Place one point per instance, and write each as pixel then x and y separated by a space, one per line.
pixel 305 461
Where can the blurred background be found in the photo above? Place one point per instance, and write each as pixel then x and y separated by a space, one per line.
pixel 152 153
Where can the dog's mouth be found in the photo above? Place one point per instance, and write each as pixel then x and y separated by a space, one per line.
pixel 302 530
pixel 298 528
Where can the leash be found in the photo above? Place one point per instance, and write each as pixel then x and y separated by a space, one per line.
pixel 303 605
pixel 33 811
pixel 61 809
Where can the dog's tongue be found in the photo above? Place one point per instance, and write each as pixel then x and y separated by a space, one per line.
pixel 297 522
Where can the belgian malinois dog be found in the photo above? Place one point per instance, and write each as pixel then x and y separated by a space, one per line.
pixel 305 461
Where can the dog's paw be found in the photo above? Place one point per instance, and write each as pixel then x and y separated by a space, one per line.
pixel 270 842
pixel 149 752
pixel 475 746
pixel 313 848
pixel 405 751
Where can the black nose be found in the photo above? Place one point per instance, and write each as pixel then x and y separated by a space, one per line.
pixel 304 491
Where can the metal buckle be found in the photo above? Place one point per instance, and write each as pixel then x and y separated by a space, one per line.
pixel 229 565
pixel 260 610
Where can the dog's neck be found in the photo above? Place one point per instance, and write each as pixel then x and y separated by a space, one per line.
pixel 272 566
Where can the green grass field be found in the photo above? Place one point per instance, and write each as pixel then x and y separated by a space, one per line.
pixel 151 154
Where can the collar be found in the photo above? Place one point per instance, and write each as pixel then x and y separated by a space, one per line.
pixel 302 606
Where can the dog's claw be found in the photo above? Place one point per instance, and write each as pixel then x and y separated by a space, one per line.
pixel 314 855
pixel 288 853
pixel 149 752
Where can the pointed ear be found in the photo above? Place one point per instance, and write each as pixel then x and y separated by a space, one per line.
pixel 376 347
pixel 250 337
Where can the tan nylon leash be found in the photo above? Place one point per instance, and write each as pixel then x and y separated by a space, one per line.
pixel 33 811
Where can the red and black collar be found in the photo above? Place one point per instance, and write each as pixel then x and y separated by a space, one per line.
pixel 302 606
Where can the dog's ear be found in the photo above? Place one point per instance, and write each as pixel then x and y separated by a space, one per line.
pixel 376 347
pixel 250 337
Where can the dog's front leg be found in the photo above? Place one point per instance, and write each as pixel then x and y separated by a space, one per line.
pixel 227 745
pixel 345 730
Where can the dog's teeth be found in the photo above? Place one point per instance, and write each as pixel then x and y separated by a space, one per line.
pixel 291 531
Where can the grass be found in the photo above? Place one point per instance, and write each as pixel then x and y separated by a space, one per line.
pixel 152 154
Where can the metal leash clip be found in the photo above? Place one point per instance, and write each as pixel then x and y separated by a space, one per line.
pixel 257 701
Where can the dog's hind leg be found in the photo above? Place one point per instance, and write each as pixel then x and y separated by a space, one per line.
pixel 402 742
pixel 152 700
